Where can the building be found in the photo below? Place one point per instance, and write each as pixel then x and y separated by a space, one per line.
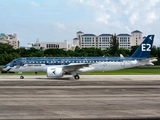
pixel 103 41
pixel 124 41
pixel 10 39
pixel 88 40
pixel 48 45
pixel 136 38
pixel 75 42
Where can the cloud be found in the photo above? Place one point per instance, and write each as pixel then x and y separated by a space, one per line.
pixel 81 1
pixel 152 17
pixel 35 4
pixel 103 17
pixel 153 2
pixel 54 17
pixel 60 25
pixel 133 18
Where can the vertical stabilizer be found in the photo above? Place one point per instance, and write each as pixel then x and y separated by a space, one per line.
pixel 144 50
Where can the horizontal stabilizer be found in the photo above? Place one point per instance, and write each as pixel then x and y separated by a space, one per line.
pixel 149 60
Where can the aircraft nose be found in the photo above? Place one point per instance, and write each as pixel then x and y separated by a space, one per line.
pixel 6 68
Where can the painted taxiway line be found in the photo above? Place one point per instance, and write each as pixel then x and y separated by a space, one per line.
pixel 82 77
pixel 84 87
pixel 80 96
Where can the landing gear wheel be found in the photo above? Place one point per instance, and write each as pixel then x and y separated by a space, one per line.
pixel 76 77
pixel 21 77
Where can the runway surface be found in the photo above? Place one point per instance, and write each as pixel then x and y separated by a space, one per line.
pixel 91 97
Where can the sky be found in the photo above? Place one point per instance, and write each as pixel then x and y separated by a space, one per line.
pixel 59 20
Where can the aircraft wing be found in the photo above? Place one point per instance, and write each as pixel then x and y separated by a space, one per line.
pixel 74 66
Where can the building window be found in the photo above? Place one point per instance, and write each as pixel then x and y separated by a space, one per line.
pixel 52 46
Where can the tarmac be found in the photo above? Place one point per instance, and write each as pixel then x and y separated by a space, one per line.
pixel 90 97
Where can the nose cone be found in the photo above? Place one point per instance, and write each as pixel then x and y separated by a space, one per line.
pixel 6 68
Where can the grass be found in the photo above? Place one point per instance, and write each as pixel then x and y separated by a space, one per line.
pixel 24 73
pixel 146 70
pixel 131 71
pixel 125 72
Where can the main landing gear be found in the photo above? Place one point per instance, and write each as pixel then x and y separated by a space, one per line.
pixel 76 77
pixel 21 77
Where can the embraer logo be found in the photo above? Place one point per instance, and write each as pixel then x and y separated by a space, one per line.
pixel 150 37
pixel 54 72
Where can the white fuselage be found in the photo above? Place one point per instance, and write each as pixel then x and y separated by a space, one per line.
pixel 99 66
pixel 109 66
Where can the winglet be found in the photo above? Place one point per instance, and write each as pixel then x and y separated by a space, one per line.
pixel 144 50
pixel 121 56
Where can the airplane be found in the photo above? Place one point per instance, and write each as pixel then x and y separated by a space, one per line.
pixel 58 66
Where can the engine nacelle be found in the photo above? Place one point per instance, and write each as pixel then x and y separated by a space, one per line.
pixel 54 72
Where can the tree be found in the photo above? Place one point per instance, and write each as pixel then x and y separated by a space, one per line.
pixel 23 52
pixel 77 49
pixel 54 52
pixel 114 45
pixel 7 53
pixel 123 51
pixel 6 48
pixel 107 52
pixel 158 51
pixel 154 51
pixel 133 49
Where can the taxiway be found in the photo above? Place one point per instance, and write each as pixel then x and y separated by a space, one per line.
pixel 91 97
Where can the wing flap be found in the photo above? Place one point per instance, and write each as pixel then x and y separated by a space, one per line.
pixel 74 66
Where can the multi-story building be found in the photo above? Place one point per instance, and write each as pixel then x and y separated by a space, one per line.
pixel 91 40
pixel 103 41
pixel 47 45
pixel 88 40
pixel 136 38
pixel 75 42
pixel 10 39
pixel 124 41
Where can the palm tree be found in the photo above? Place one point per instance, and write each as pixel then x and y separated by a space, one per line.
pixel 114 45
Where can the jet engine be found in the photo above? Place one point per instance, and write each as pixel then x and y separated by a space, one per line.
pixel 54 72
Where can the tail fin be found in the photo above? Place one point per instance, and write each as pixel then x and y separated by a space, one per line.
pixel 144 50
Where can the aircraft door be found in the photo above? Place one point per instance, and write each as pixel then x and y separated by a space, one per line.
pixel 18 64
pixel 62 62
pixel 104 66
pixel 131 63
pixel 23 62
pixel 123 63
